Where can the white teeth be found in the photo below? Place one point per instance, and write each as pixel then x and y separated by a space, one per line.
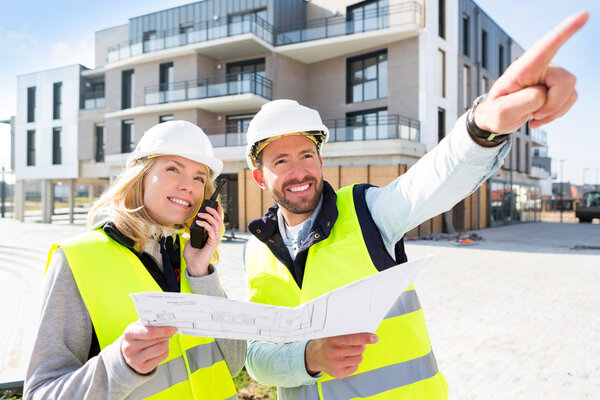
pixel 299 189
pixel 178 201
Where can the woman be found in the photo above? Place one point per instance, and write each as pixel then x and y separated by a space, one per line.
pixel 89 344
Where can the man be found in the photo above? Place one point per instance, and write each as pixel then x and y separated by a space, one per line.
pixel 315 240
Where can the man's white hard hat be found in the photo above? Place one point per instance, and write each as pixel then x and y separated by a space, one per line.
pixel 283 117
pixel 177 138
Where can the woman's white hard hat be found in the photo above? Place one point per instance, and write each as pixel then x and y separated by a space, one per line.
pixel 282 117
pixel 177 138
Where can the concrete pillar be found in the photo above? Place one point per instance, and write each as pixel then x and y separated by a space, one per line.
pixel 19 200
pixel 47 201
pixel 71 201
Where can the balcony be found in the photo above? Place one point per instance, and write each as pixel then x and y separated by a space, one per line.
pixel 324 38
pixel 544 163
pixel 93 100
pixel 210 38
pixel 372 128
pixel 538 138
pixel 216 86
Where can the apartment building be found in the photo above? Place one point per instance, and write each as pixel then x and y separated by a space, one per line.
pixel 380 72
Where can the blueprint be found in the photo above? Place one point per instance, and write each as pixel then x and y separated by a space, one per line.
pixel 357 307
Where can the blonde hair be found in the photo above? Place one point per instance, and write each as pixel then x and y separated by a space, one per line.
pixel 123 204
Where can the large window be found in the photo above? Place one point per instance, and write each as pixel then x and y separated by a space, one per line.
pixel 368 125
pixel 241 76
pixel 165 118
pixel 57 100
pixel 364 16
pixel 238 123
pixel 484 49
pixel 127 136
pixel 518 154
pixel 149 41
pixel 465 35
pixel 441 124
pixel 127 86
pixel 442 18
pixel 367 77
pixel 242 23
pixel 442 77
pixel 99 143
pixel 30 147
pixel 466 86
pixel 165 76
pixel 485 85
pixel 56 149
pixel 31 104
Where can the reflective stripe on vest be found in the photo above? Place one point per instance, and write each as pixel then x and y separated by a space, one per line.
pixel 401 364
pixel 194 367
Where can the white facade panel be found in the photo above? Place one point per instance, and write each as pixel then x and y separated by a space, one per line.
pixel 44 123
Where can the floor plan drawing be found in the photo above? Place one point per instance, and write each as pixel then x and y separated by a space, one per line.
pixel 357 307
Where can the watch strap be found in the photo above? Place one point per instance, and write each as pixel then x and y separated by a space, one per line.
pixel 480 133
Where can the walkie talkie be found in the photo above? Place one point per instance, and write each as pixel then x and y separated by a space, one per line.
pixel 198 235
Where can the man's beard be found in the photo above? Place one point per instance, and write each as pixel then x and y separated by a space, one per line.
pixel 305 207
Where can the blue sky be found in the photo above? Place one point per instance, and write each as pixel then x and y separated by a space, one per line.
pixel 42 34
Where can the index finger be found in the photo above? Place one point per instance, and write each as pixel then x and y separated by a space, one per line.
pixel 541 53
pixel 355 339
pixel 139 331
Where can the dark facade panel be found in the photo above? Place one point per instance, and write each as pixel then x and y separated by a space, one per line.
pixel 210 10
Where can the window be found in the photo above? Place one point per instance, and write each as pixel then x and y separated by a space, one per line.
pixel 165 76
pixel 527 162
pixel 165 118
pixel 31 104
pixel 485 84
pixel 465 34
pixel 441 124
pixel 442 62
pixel 364 16
pixel 237 123
pixel 127 136
pixel 243 76
pixel 30 147
pixel 242 23
pixel 368 125
pixel 99 143
pixel 442 18
pixel 57 100
pixel 367 77
pixel 56 149
pixel 466 86
pixel 500 60
pixel 484 49
pixel 149 41
pixel 127 84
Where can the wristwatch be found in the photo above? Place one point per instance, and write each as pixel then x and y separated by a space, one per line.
pixel 474 129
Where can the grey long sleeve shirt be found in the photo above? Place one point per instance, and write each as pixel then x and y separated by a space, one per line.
pixel 59 367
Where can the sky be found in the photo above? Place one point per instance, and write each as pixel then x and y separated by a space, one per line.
pixel 41 34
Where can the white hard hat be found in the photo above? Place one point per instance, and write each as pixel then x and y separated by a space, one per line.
pixel 177 138
pixel 281 117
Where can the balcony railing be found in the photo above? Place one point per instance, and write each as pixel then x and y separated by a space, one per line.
pixel 373 128
pixel 93 100
pixel 199 32
pixel 544 163
pixel 340 25
pixel 216 86
pixel 225 136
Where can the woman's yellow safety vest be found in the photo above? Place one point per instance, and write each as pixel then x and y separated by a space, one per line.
pixel 106 272
pixel 401 365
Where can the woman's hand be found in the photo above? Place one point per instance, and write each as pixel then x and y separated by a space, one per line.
pixel 198 260
pixel 145 347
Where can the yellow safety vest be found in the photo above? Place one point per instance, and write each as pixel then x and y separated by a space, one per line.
pixel 401 365
pixel 106 272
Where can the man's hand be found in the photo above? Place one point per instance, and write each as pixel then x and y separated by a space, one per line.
pixel 144 347
pixel 531 87
pixel 338 356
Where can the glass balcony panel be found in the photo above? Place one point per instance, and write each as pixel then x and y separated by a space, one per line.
pixel 101 102
pixel 336 29
pixel 197 92
pixel 135 49
pixel 172 41
pixel 113 56
pixel 217 89
pixel 151 98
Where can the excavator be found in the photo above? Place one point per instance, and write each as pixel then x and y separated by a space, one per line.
pixel 588 207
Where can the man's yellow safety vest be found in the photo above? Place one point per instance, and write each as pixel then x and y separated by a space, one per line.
pixel 106 272
pixel 401 365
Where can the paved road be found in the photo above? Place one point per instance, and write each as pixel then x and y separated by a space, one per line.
pixel 514 316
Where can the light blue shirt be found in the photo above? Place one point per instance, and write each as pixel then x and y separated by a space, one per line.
pixel 453 170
